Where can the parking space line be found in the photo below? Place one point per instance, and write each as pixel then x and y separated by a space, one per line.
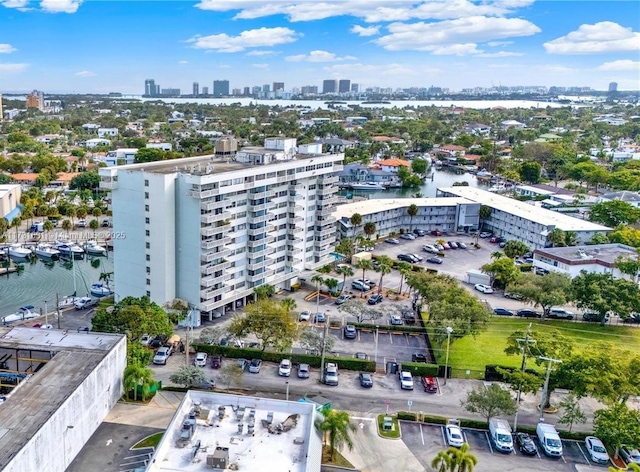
pixel 391 338
pixel 444 438
pixel 439 389
pixel 421 433
pixel 489 442
pixel 583 454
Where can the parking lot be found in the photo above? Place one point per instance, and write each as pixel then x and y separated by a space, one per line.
pixel 426 440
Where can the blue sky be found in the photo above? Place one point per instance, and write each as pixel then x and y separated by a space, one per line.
pixel 80 46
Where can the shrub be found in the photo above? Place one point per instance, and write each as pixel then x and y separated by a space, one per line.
pixel 525 267
pixel 403 415
pixel 420 369
pixel 402 328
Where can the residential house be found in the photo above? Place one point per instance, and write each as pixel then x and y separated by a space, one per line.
pixel 95 142
pixel 509 124
pixel 632 198
pixel 392 165
pixel 102 132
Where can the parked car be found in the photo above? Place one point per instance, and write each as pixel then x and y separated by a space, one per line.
pixel 494 240
pixel 418 357
pixel 350 332
pixel 593 316
pixel 453 433
pixel 320 317
pixel 84 303
pixel 526 444
pixel 630 455
pixel 408 236
pixel 502 312
pixel 430 248
pixel 201 359
pixel 82 223
pixel 105 223
pixel 461 245
pixel 417 257
pixel 392 241
pixel 254 366
pixel 436 232
pixel 304 316
pixel 596 450
pixel 407 258
pixel 430 384
pixel 561 314
pixel 452 244
pixel 162 355
pixel 303 371
pixel 342 298
pixel 331 374
pixel 375 299
pixel 396 320
pixel 243 364
pixel 513 296
pixel 366 380
pixel 483 288
pixel 284 370
pixel 359 285
pixel 434 260
pixel 406 380
pixel 361 355
pixel 540 271
pixel 528 313
pixel 216 362
pixel 145 339
pixel 419 232
pixel 632 318
pixel 485 234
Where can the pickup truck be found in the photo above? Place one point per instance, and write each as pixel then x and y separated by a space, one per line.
pixel 331 374
pixel 84 303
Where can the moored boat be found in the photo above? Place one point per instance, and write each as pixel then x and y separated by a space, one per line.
pixel 366 186
pixel 17 250
pixel 24 313
pixel 69 249
pixel 93 248
pixel 46 251
pixel 100 290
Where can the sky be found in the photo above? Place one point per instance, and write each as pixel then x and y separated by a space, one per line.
pixel 94 46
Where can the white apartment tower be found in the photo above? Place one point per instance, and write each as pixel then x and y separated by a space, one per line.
pixel 210 230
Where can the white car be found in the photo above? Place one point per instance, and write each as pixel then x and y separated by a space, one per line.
pixel 162 355
pixel 201 359
pixel 285 368
pixel 483 288
pixel 596 450
pixel 304 316
pixel 145 339
pixel 406 380
pixel 454 434
pixel 430 248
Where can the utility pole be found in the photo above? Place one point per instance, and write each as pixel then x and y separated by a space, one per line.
pixel 58 309
pixel 546 384
pixel 525 350
pixel 324 344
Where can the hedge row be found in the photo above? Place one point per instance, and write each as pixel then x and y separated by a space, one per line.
pixel 480 424
pixel 399 328
pixel 344 363
pixel 491 373
pixel 420 369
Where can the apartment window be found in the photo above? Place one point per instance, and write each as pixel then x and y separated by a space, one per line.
pixel 148 270
pixel 146 208
pixel 148 293
pixel 146 182
pixel 148 257
pixel 147 245
pixel 146 220
pixel 146 232
pixel 146 195
pixel 148 281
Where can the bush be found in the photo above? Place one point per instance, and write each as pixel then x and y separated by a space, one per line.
pixel 491 373
pixel 420 369
pixel 401 328
pixel 525 267
pixel 403 415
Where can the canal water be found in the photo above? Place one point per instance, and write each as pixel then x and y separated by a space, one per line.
pixel 39 282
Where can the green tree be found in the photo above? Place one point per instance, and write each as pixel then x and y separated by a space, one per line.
pixel 369 229
pixel 264 291
pixel 318 280
pixel 602 293
pixel 490 401
pixel 66 225
pixel 188 376
pixel 271 323
pixel 230 374
pixel 571 411
pixel 419 166
pixel 212 334
pixel 364 265
pixel 546 292
pixel 336 426
pixel 557 237
pixel 332 284
pixel 404 268
pixel 345 247
pixel 137 376
pixel 503 271
pixel 484 213
pixel 94 225
pixel 455 459
pixel 288 303
pixel 85 180
pixel 345 271
pixel 137 354
pixel 412 210
pixel 616 426
pixel 530 172
pixel 133 316
pixel 360 311
pixel 15 223
pixel 625 235
pixel 600 238
pixel 629 266
pixel 149 155
pixel 355 220
pixel 614 213
pixel 312 340
pixel 515 248
pixel 385 265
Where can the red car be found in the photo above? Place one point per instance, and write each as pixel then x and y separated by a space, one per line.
pixel 494 240
pixel 436 232
pixel 216 362
pixel 430 384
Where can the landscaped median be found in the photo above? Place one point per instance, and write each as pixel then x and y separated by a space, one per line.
pixel 384 423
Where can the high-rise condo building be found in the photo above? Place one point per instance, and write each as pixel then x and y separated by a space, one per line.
pixel 196 89
pixel 329 86
pixel 613 86
pixel 209 230
pixel 35 100
pixel 150 88
pixel 278 86
pixel 354 88
pixel 220 88
pixel 205 91
pixel 344 86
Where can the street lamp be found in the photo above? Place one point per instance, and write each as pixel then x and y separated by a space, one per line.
pixel 446 362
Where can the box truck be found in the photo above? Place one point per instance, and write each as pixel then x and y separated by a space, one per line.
pixel 500 433
pixel 549 439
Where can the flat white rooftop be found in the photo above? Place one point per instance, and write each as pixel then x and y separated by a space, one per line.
pixel 533 213
pixel 368 207
pixel 288 443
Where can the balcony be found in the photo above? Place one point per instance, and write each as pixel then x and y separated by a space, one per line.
pixel 325 210
pixel 259 219
pixel 296 219
pixel 212 230
pixel 208 305
pixel 256 277
pixel 257 242
pixel 296 230
pixel 107 183
pixel 330 180
pixel 212 280
pixel 321 251
pixel 211 294
pixel 338 167
pixel 201 194
pixel 295 207
pixel 266 193
pixel 325 231
pixel 259 253
pixel 214 267
pixel 329 220
pixel 213 256
pixel 292 250
pixel 259 206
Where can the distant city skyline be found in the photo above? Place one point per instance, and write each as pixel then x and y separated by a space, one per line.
pixel 53 45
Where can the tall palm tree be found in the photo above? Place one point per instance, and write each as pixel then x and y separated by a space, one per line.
pixel 331 284
pixel 385 265
pixel 570 238
pixel 355 220
pixel 365 265
pixel 337 426
pixel 369 229
pixel 455 460
pixel 484 213
pixel 557 237
pixel 317 279
pixel 412 211
pixel 345 271
pixel 15 223
pixel 137 375
pixel 288 303
pixel 442 462
pixel 404 268
pixel 495 255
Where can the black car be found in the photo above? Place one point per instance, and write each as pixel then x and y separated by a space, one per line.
pixel 418 357
pixel 528 313
pixel 375 298
pixel 366 380
pixel 595 317
pixel 434 260
pixel 407 258
pixel 502 312
pixel 632 318
pixel 526 445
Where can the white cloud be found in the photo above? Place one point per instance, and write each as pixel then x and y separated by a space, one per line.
pixel 456 50
pixel 7 49
pixel 260 66
pixel 183 62
pixel 14 3
pixel 262 53
pixel 500 54
pixel 603 37
pixel 12 68
pixel 60 6
pixel 624 64
pixel 494 44
pixel 85 73
pixel 318 56
pixel 365 31
pixel 262 37
pixel 371 11
pixel 450 35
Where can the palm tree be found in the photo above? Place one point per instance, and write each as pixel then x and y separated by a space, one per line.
pixel 385 265
pixel 105 277
pixel 557 237
pixel 369 229
pixel 412 211
pixel 365 265
pixel 331 284
pixel 66 225
pixel 317 279
pixel 355 220
pixel 137 375
pixel 288 303
pixel 345 271
pixel 71 212
pixel 455 460
pixel 570 238
pixel 495 255
pixel 484 213
pixel 442 462
pixel 94 225
pixel 404 268
pixel 15 223
pixel 336 425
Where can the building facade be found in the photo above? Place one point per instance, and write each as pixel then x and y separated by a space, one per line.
pixel 196 89
pixel 344 86
pixel 210 230
pixel 220 88
pixel 10 195
pixel 329 86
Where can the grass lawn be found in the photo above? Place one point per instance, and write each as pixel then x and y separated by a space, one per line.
pixel 394 433
pixel 488 347
pixel 149 441
pixel 339 460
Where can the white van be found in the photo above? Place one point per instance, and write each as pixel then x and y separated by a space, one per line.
pixel 549 439
pixel 500 433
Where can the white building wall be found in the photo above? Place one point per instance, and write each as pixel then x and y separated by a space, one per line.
pixel 70 426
